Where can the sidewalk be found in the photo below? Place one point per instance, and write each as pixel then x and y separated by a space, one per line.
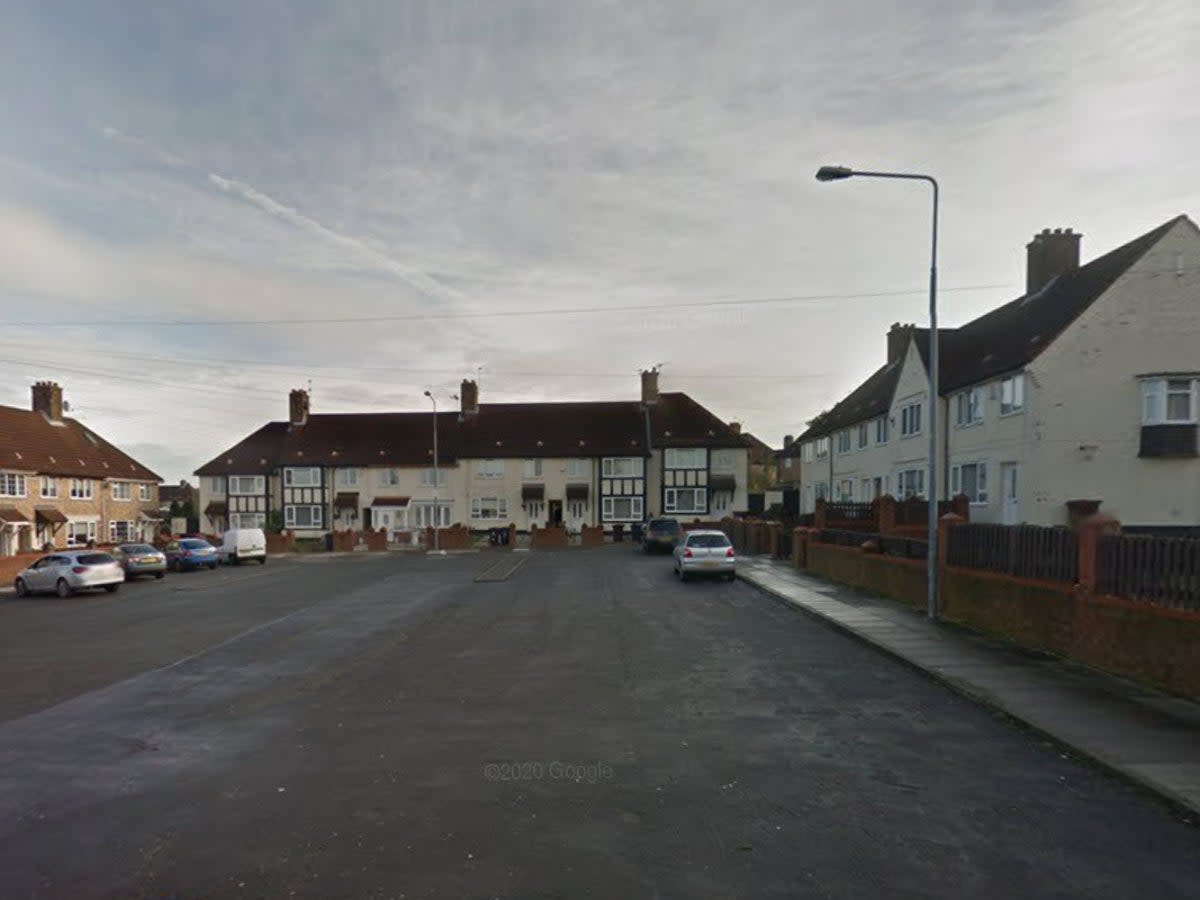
pixel 1146 736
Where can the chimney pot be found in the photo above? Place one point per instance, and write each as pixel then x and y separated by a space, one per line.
pixel 736 427
pixel 1050 254
pixel 469 395
pixel 48 400
pixel 650 386
pixel 897 341
pixel 298 407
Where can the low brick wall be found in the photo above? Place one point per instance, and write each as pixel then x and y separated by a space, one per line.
pixel 553 537
pixel 456 537
pixel 284 542
pixel 591 535
pixel 899 579
pixel 376 541
pixel 11 565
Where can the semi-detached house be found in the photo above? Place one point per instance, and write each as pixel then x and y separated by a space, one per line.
pixel 581 463
pixel 1085 388
pixel 63 485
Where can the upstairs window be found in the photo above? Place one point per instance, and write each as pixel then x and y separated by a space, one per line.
pixel 247 485
pixel 348 477
pixel 843 441
pixel 881 430
pixel 1012 394
pixel 308 476
pixel 806 451
pixel 533 468
pixel 122 490
pixel 623 467
pixel 489 468
pixel 428 476
pixel 1169 401
pixel 910 419
pixel 577 468
pixel 12 484
pixel 145 492
pixel 822 447
pixel 968 407
pixel 49 488
pixel 864 435
pixel 81 489
pixel 691 458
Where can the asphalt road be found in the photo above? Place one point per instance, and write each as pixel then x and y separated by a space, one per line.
pixel 389 727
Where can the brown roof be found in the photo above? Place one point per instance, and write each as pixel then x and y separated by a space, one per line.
pixel 11 514
pixel 28 441
pixel 390 501
pixel 582 429
pixel 346 500
pixel 170 493
pixel 51 515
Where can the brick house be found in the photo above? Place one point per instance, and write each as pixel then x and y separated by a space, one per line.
pixel 1084 390
pixel 64 485
pixel 574 463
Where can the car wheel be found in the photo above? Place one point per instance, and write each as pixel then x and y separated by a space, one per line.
pixel 159 574
pixel 21 589
pixel 112 588
pixel 683 576
pixel 262 560
pixel 730 576
pixel 62 588
pixel 235 559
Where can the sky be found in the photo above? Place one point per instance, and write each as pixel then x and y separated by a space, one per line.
pixel 204 205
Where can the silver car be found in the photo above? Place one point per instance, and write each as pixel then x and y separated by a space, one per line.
pixel 69 571
pixel 705 553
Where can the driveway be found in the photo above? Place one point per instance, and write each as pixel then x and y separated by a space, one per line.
pixel 581 726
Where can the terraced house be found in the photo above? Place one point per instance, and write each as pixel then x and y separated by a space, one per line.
pixel 584 463
pixel 1083 391
pixel 63 485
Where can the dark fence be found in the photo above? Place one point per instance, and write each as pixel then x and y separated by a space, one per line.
pixel 844 538
pixel 903 547
pixel 915 511
pixel 806 519
pixel 1026 551
pixel 854 512
pixel 1162 571
pixel 785 543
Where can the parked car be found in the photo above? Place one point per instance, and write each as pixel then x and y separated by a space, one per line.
pixel 191 553
pixel 241 544
pixel 140 559
pixel 661 535
pixel 69 571
pixel 705 553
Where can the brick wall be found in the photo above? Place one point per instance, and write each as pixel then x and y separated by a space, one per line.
pixel 552 537
pixel 591 535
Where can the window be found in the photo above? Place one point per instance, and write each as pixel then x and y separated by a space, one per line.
pixel 309 476
pixel 145 492
pixel 911 483
pixel 427 476
pixel 577 468
pixel 970 479
pixel 806 451
pixel 622 509
pixel 423 514
pixel 489 468
pixel 845 490
pixel 685 500
pixel 843 441
pixel 910 419
pixel 389 477
pixel 866 490
pixel 302 516
pixel 247 520
pixel 489 507
pixel 722 461
pixel 79 533
pixel 1169 401
pixel 216 484
pixel 622 467
pixel 822 447
pixel 348 477
pixel 534 509
pixel 821 490
pixel 247 485
pixel 120 532
pixel 1012 394
pixel 864 435
pixel 122 490
pixel 968 407
pixel 49 488
pixel 881 430
pixel 533 468
pixel 81 489
pixel 12 484
pixel 693 458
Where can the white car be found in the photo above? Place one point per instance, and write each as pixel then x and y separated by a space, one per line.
pixel 705 553
pixel 242 544
pixel 70 571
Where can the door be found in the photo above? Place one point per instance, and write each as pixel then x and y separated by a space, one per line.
pixel 384 518
pixel 554 512
pixel 42 577
pixel 1008 494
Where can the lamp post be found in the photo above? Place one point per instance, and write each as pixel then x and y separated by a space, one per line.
pixel 436 510
pixel 839 173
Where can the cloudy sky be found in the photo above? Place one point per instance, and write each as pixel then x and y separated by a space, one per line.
pixel 203 205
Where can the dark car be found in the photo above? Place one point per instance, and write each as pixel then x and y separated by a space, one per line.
pixel 191 553
pixel 661 535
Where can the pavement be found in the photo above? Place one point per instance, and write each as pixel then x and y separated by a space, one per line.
pixel 1147 736
pixel 585 726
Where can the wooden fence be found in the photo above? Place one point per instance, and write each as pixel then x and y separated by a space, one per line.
pixel 1025 551
pixel 1158 570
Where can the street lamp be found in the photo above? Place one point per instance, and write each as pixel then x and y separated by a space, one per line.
pixel 839 173
pixel 436 511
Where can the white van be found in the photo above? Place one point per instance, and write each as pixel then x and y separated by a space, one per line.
pixel 241 544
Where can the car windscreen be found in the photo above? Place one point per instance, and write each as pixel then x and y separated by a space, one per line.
pixel 708 540
pixel 194 545
pixel 137 548
pixel 94 559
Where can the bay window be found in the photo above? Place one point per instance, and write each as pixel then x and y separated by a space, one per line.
pixel 685 500
pixel 305 516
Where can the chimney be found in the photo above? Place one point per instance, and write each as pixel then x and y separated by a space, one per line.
pixel 298 407
pixel 1048 255
pixel 788 440
pixel 47 399
pixel 736 427
pixel 469 393
pixel 897 341
pixel 650 386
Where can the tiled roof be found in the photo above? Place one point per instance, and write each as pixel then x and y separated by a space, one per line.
pixel 604 428
pixel 28 441
pixel 1003 340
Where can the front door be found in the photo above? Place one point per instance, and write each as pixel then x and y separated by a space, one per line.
pixel 554 512
pixel 1008 493
pixel 384 520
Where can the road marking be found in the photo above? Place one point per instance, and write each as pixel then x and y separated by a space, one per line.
pixel 501 570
